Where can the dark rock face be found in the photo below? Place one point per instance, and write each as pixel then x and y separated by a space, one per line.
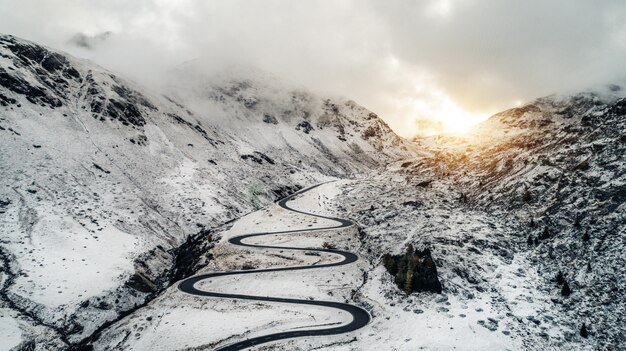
pixel 37 55
pixel 17 85
pixel 48 78
pixel 270 119
pixel 258 157
pixel 3 205
pixel 414 271
pixel 129 107
pixel 196 128
pixel 141 283
pixel 53 73
pixel 284 191
pixel 6 101
pixel 125 112
pixel 372 131
pixel 193 254
pixel 305 127
pixel 96 166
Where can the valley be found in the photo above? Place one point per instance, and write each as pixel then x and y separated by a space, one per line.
pixel 236 210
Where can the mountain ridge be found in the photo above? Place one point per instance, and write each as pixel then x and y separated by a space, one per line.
pixel 99 172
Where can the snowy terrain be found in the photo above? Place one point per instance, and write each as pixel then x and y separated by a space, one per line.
pixel 532 191
pixel 482 205
pixel 165 322
pixel 108 188
pixel 112 192
pixel 399 323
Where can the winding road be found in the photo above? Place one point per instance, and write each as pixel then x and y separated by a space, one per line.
pixel 360 317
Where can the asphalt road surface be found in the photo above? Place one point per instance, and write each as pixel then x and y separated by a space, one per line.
pixel 360 317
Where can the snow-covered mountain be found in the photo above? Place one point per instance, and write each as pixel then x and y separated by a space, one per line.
pixel 534 191
pixel 108 189
pixel 111 192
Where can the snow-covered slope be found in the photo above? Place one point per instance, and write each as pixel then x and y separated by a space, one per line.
pixel 533 191
pixel 105 185
pixel 110 191
pixel 481 204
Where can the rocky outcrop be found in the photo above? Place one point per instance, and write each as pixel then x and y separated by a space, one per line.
pixel 414 271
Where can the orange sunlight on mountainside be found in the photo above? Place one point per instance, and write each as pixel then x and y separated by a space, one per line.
pixel 444 116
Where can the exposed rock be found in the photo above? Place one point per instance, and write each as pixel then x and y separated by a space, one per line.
pixel 270 119
pixel 305 127
pixel 414 271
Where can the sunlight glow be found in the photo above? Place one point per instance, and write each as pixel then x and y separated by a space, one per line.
pixel 441 115
pixel 427 109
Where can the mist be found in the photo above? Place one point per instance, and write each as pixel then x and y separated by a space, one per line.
pixel 408 61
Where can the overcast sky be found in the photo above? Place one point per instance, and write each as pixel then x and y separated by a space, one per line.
pixel 406 60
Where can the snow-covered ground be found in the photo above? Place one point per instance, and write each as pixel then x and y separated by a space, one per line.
pixel 501 214
pixel 104 182
pixel 534 191
pixel 105 186
pixel 11 331
pixel 461 318
pixel 64 266
pixel 176 320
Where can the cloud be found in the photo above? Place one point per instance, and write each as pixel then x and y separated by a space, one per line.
pixel 501 51
pixel 89 41
pixel 406 60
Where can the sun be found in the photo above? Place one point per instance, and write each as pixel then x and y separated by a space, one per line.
pixel 458 121
pixel 441 115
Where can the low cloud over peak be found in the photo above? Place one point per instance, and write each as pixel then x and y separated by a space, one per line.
pixel 409 61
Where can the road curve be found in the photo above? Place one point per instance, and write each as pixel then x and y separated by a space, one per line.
pixel 360 317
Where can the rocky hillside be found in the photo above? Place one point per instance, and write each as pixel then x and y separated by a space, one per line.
pixel 106 187
pixel 525 218
pixel 562 174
